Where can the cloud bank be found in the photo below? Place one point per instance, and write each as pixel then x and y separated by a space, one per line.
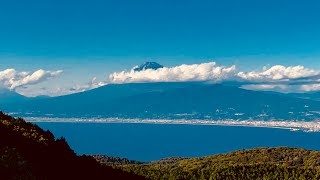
pixel 12 79
pixel 195 72
pixel 282 79
pixel 279 73
pixel 276 78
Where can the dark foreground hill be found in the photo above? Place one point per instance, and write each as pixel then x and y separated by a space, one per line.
pixel 28 152
pixel 260 163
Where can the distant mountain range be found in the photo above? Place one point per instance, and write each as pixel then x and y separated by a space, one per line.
pixel 309 95
pixel 8 96
pixel 183 100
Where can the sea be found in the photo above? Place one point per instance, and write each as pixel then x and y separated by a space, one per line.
pixel 149 142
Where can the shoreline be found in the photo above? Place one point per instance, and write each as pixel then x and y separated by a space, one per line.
pixel 311 126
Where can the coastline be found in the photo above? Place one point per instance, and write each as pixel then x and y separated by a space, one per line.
pixel 311 126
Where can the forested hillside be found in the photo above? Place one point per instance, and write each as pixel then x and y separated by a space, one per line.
pixel 260 163
pixel 28 152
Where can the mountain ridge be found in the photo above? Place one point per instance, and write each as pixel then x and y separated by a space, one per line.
pixel 197 100
pixel 258 163
pixel 29 152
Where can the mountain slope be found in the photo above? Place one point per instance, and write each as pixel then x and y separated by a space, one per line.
pixel 90 101
pixel 8 96
pixel 308 95
pixel 259 163
pixel 28 152
pixel 189 100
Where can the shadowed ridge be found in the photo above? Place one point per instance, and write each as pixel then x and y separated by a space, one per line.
pixel 28 152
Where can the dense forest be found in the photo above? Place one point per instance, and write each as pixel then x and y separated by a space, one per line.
pixel 260 163
pixel 28 152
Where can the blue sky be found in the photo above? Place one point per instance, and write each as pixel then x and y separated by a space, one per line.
pixel 93 38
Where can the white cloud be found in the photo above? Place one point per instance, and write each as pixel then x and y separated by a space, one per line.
pixel 59 91
pixel 90 85
pixel 196 72
pixel 269 87
pixel 276 78
pixel 282 79
pixel 279 73
pixel 310 87
pixel 12 79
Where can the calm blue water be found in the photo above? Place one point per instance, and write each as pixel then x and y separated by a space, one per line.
pixel 146 142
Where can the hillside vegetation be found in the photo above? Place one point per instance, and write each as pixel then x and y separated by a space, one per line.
pixel 260 163
pixel 28 152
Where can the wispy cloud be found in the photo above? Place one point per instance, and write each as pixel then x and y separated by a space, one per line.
pixel 279 73
pixel 275 78
pixel 12 79
pixel 58 91
pixel 90 85
pixel 282 79
pixel 310 87
pixel 270 87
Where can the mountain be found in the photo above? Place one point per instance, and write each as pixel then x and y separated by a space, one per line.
pixel 89 102
pixel 28 152
pixel 260 163
pixel 308 95
pixel 10 96
pixel 148 65
pixel 175 100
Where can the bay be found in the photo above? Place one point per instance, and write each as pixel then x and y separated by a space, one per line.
pixel 148 142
